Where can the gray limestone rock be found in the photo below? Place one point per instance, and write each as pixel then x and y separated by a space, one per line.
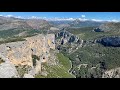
pixel 28 76
pixel 8 70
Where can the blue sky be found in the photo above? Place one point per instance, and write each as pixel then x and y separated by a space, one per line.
pixel 87 15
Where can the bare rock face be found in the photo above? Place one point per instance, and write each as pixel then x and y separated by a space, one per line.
pixel 38 67
pixel 44 73
pixel 7 69
pixel 110 41
pixel 113 73
pixel 111 26
pixel 28 76
pixel 20 53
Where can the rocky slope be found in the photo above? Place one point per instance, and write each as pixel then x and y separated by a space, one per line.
pixel 110 41
pixel 38 24
pixel 76 23
pixel 60 24
pixel 88 23
pixel 112 26
pixel 67 37
pixel 113 73
pixel 15 24
pixel 34 58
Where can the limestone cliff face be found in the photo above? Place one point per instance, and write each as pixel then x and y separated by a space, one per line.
pixel 113 73
pixel 20 53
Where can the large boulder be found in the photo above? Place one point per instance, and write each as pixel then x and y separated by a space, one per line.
pixel 8 70
pixel 28 76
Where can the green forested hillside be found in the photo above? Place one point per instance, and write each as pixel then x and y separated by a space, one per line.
pixel 93 53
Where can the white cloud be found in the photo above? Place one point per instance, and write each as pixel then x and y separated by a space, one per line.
pixel 114 20
pixel 97 20
pixel 13 16
pixel 69 19
pixel 43 17
pixel 9 16
pixel 34 17
pixel 60 19
pixel 83 16
pixel 81 19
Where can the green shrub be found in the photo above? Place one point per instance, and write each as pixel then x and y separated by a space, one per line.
pixel 34 58
pixel 1 60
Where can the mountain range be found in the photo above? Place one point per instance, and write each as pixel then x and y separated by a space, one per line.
pixel 7 23
pixel 77 23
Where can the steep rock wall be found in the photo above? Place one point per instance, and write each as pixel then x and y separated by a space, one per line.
pixel 20 53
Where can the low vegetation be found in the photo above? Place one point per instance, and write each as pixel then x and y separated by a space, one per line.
pixel 8 40
pixel 1 60
pixel 92 54
pixel 22 70
pixel 88 33
pixel 58 71
pixel 34 58
pixel 64 61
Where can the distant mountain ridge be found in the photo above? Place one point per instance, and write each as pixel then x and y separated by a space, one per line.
pixel 111 26
pixel 77 23
pixel 7 23
pixel 87 23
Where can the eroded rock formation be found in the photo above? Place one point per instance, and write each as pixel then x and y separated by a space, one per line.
pixel 113 73
pixel 110 41
pixel 22 52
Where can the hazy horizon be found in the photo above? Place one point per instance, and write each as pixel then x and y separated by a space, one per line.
pixel 96 16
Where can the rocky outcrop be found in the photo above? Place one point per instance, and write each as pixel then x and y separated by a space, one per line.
pixel 7 69
pixel 22 52
pixel 67 42
pixel 67 37
pixel 110 41
pixel 98 30
pixel 28 76
pixel 113 73
pixel 112 26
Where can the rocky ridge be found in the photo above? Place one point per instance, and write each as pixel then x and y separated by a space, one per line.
pixel 113 73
